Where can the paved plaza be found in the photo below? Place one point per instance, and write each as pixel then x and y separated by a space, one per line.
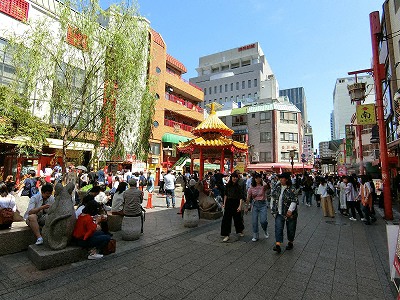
pixel 332 259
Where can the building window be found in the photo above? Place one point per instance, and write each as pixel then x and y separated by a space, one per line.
pixel 235 65
pixel 209 90
pixel 249 96
pixel 265 157
pixel 265 137
pixel 243 84
pixel 220 88
pixel 243 96
pixel 246 63
pixel 289 137
pixel 220 101
pixel 255 95
pixel 255 82
pixel 288 117
pixel 253 116
pixel 239 120
pixel 155 148
pixel 265 117
pixel 237 98
pixel 231 98
pixel 237 86
pixel 226 87
pixel 248 84
pixel 223 119
pixel 232 87
pixel 286 156
pixel 215 89
pixel 226 99
pixel 205 91
pixel 239 138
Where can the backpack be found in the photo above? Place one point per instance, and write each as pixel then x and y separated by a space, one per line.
pixel 142 181
pixel 329 190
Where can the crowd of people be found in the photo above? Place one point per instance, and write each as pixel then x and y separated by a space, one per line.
pixel 236 194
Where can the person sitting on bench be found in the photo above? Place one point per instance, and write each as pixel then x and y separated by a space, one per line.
pixel 36 213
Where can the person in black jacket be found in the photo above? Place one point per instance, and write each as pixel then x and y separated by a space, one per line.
pixel 192 197
pixel 233 200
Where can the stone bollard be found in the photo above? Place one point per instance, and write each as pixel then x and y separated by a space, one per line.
pixel 191 218
pixel 131 227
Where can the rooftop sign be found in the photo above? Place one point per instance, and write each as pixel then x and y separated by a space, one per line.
pixel 247 47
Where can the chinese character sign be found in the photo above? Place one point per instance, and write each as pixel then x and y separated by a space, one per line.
pixel 366 114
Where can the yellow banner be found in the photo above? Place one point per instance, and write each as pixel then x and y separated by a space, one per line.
pixel 366 114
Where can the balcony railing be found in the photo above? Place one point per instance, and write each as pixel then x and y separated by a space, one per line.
pixel 192 84
pixel 180 101
pixel 174 124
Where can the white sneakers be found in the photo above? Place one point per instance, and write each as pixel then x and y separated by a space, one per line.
pixel 352 219
pixel 363 219
pixel 226 239
pixel 95 256
pixel 266 234
pixel 39 241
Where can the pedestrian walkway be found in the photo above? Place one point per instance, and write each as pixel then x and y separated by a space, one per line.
pixel 332 259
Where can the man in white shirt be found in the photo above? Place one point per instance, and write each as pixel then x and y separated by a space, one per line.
pixel 284 209
pixel 36 213
pixel 169 187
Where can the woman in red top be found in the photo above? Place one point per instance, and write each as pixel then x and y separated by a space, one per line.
pixel 257 192
pixel 87 232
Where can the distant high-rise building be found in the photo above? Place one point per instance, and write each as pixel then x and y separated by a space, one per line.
pixel 343 109
pixel 239 75
pixel 332 126
pixel 298 97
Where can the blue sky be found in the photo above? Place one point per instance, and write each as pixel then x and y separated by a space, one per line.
pixel 307 43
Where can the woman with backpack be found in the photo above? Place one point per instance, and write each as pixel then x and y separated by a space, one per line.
pixel 326 191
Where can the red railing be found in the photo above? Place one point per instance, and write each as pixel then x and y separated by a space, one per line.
pixel 174 124
pixel 180 101
pixel 17 9
pixel 184 80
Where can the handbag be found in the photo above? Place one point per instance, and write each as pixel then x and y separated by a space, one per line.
pixel 110 248
pixel 6 215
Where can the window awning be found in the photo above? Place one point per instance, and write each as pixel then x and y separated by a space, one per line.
pixel 174 138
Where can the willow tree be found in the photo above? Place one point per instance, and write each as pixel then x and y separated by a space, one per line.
pixel 86 68
pixel 16 121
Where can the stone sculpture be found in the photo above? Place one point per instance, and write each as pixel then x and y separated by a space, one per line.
pixel 60 221
pixel 209 208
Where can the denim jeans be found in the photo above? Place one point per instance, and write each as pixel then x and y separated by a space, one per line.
pixel 309 195
pixel 259 210
pixel 98 240
pixel 170 194
pixel 290 227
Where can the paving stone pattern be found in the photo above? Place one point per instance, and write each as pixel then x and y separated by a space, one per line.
pixel 332 259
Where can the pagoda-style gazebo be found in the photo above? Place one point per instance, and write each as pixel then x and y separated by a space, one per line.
pixel 212 143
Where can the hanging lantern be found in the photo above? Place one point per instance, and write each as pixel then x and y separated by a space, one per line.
pixel 356 91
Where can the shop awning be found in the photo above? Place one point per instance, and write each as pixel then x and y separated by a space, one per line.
pixel 58 144
pixel 277 166
pixel 174 138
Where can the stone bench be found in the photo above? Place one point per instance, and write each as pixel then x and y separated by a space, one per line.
pixel 16 239
pixel 114 222
pixel 45 258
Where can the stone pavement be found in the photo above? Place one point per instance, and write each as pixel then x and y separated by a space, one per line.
pixel 332 259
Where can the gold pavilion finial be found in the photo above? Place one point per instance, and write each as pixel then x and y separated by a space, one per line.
pixel 212 111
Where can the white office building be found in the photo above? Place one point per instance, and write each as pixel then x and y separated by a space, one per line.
pixel 343 109
pixel 241 75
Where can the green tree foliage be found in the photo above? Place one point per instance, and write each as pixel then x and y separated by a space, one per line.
pixel 16 121
pixel 87 67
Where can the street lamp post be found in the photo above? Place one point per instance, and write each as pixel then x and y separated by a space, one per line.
pixel 291 154
pixel 168 153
